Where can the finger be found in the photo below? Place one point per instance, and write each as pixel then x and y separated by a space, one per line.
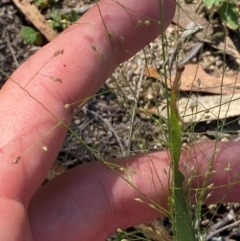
pixel 14 221
pixel 94 201
pixel 31 108
pixel 214 168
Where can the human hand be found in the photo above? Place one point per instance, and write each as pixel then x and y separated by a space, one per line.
pixel 88 202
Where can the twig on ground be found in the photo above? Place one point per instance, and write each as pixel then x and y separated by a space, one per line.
pixel 36 18
pixel 198 6
pixel 5 33
pixel 134 108
pixel 110 128
pixel 192 53
pixel 190 29
pixel 228 218
pixel 222 229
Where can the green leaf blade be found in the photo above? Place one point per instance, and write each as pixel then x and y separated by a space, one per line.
pixel 182 225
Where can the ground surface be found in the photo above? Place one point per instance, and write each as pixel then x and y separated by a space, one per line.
pixel 107 133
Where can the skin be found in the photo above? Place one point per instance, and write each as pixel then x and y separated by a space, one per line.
pixel 89 202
